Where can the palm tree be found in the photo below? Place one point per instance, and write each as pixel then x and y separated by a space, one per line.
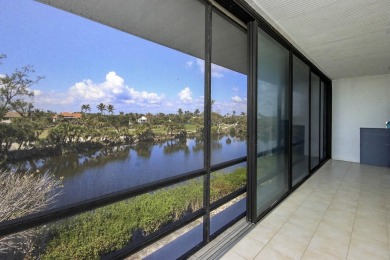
pixel 101 107
pixel 110 109
pixel 180 111
pixel 196 112
pixel 85 108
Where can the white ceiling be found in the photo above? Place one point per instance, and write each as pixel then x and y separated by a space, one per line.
pixel 344 38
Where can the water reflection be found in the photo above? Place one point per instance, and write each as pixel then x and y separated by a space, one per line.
pixel 144 149
pixel 73 163
pixel 97 172
pixel 173 146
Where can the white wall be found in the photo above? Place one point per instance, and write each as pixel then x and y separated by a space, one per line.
pixel 357 102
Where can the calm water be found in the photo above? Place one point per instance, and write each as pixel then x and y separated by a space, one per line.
pixel 98 172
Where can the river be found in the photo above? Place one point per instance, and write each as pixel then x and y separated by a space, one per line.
pixel 98 172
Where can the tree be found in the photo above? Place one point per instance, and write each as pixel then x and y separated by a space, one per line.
pixel 101 107
pixel 86 108
pixel 15 88
pixel 24 194
pixel 196 112
pixel 110 109
pixel 180 111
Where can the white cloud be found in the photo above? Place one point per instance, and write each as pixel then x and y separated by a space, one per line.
pixel 237 99
pixel 37 92
pixel 144 96
pixel 216 71
pixel 113 90
pixel 87 90
pixel 189 64
pixel 185 95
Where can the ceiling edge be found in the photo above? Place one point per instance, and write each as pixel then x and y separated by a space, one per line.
pixel 276 25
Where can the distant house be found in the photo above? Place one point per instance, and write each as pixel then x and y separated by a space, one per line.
pixel 67 116
pixel 142 120
pixel 9 117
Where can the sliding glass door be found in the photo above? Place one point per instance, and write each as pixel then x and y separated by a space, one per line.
pixel 300 121
pixel 315 121
pixel 272 122
pixel 287 121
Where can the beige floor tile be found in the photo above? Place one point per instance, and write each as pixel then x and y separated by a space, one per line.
pixel 269 253
pixel 371 212
pixel 365 248
pixel 248 247
pixel 341 212
pixel 333 248
pixel 324 242
pixel 321 196
pixel 333 233
pixel 299 233
pixel 369 233
pixel 347 196
pixel 312 254
pixel 262 233
pixel 369 224
pixel 230 255
pixel 338 218
pixel 316 205
pixel 309 224
pixel 274 221
pixel 309 213
pixel 343 205
pixel 287 246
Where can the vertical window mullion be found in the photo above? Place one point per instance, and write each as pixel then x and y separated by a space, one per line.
pixel 310 119
pixel 319 124
pixel 252 123
pixel 290 119
pixel 207 123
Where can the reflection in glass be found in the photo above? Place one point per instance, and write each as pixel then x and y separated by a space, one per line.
pixel 92 234
pixel 228 89
pixel 174 245
pixel 315 121
pixel 272 121
pixel 300 130
pixel 226 213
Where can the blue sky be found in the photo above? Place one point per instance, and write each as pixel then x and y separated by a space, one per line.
pixel 84 62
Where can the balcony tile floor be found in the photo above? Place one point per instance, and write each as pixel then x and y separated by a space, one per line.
pixel 341 212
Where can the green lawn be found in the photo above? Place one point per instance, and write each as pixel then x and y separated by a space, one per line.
pixel 44 134
pixel 191 128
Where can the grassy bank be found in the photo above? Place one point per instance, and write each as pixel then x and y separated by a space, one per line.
pixel 93 234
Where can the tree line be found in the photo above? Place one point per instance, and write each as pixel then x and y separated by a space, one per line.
pixel 38 129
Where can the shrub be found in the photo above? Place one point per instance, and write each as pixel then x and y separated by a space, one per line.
pixel 92 234
pixel 21 195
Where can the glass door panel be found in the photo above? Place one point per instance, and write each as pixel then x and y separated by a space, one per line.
pixel 272 122
pixel 315 121
pixel 300 121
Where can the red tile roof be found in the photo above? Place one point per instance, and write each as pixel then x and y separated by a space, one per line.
pixel 69 115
